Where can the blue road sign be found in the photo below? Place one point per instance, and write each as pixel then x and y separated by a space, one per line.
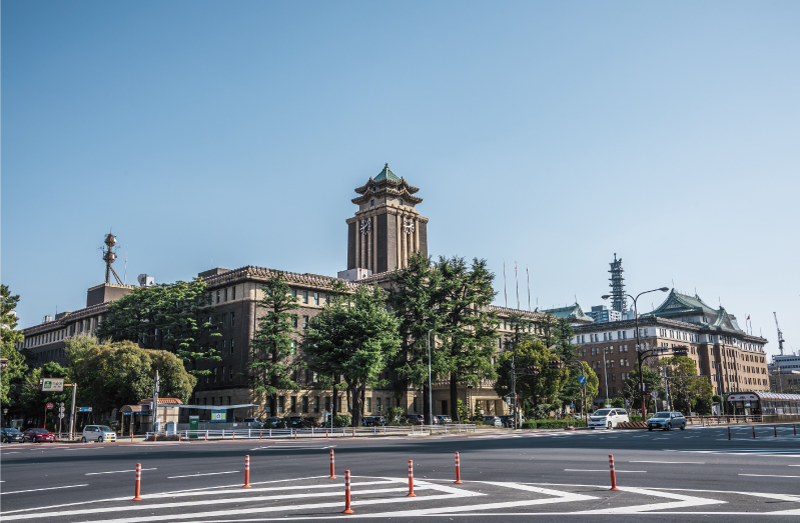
pixel 84 409
pixel 582 379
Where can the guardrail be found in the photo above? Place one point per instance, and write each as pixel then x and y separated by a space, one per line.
pixel 317 432
pixel 704 421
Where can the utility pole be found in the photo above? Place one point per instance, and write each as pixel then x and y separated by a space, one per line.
pixel 72 411
pixel 666 387
pixel 154 422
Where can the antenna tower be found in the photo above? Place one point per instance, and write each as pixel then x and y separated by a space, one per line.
pixel 780 334
pixel 619 301
pixel 109 255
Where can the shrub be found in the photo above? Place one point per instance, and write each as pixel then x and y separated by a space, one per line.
pixel 343 420
pixel 553 424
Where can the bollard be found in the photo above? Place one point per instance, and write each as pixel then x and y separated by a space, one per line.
pixel 131 435
pixel 295 433
pixel 729 433
pixel 246 472
pixel 776 430
pixel 411 480
pixel 206 438
pixel 354 432
pixel 136 490
pixel 179 436
pixel 754 432
pixel 458 469
pixel 233 436
pixel 333 475
pixel 155 436
pixel 613 473
pixel 326 433
pixel 260 434
pixel 347 509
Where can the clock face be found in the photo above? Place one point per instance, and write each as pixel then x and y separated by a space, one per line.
pixel 408 226
pixel 365 226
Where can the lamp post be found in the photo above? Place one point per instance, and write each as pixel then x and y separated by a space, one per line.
pixel 430 381
pixel 639 352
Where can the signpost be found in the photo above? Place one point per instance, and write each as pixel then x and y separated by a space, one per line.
pixel 60 415
pixel 52 384
pixel 84 409
pixel 582 379
pixel 47 407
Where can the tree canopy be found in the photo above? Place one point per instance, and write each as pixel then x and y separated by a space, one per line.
pixel 11 376
pixel 353 337
pixel 536 389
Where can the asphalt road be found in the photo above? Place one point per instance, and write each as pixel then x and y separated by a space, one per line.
pixel 667 476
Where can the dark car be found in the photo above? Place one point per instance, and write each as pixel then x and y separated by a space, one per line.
pixel 9 435
pixel 298 422
pixel 372 421
pixel 38 436
pixel 415 419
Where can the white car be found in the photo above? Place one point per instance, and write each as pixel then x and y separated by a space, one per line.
pixel 98 433
pixel 607 418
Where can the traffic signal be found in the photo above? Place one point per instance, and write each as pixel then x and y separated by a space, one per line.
pixel 556 364
pixel 648 387
pixel 532 370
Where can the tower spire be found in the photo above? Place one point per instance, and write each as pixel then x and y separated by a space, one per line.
pixel 619 300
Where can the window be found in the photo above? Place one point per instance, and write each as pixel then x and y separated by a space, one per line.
pixel 316 298
pixel 281 404
pixel 233 292
pixel 372 202
pixel 305 322
pixel 224 345
pixel 584 352
pixel 226 294
pixel 305 296
pixel 216 370
pixel 316 403
pixel 368 407
pixel 233 318
pixel 294 403
pixel 400 202
pixel 294 321
pixel 377 404
pixel 294 293
pixel 294 346
pixel 218 295
pixel 231 346
pixel 305 404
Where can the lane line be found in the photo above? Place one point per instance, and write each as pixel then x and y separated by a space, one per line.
pixel 40 489
pixel 207 474
pixel 769 476
pixel 600 470
pixel 114 472
pixel 693 462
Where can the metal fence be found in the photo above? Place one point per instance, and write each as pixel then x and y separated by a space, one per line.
pixel 319 432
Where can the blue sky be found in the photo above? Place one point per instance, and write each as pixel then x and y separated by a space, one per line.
pixel 552 134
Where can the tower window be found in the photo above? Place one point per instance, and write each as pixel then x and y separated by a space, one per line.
pixel 400 202
pixel 372 202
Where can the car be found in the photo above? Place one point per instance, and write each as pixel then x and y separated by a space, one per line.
pixel 253 423
pixel 507 420
pixel 442 419
pixel 372 421
pixel 297 422
pixel 415 419
pixel 495 421
pixel 607 418
pixel 38 436
pixel 98 433
pixel 9 434
pixel 666 421
pixel 273 422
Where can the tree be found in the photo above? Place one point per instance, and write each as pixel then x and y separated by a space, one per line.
pixel 272 365
pixel 573 391
pixel 631 385
pixel 33 400
pixel 177 317
pixel 533 388
pixel 353 337
pixel 685 386
pixel 468 331
pixel 413 297
pixel 11 376
pixel 110 375
pixel 558 333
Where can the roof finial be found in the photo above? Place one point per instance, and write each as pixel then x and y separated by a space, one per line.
pixel 386 166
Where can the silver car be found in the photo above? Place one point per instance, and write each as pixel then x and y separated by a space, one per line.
pixel 666 421
pixel 98 433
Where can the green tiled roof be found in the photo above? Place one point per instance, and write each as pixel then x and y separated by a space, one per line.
pixel 387 174
pixel 573 312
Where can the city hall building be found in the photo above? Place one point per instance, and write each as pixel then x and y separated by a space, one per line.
pixel 385 231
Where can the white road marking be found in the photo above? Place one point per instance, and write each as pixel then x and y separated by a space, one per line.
pixel 683 502
pixel 600 470
pixel 115 472
pixel 769 476
pixel 670 462
pixel 40 489
pixel 206 474
pixel 293 448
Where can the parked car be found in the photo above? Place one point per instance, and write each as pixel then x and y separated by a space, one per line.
pixel 493 420
pixel 9 435
pixel 298 422
pixel 38 436
pixel 666 421
pixel 253 423
pixel 442 419
pixel 98 433
pixel 416 419
pixel 607 418
pixel 273 422
pixel 372 421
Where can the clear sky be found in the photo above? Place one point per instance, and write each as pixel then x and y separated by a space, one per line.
pixel 553 134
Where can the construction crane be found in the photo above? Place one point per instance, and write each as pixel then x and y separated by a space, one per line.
pixel 780 334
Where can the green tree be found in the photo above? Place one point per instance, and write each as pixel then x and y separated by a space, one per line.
pixel 685 386
pixel 177 317
pixel 541 388
pixel 414 296
pixel 272 360
pixel 110 375
pixel 558 333
pixel 631 385
pixel 11 377
pixel 468 331
pixel 33 400
pixel 572 391
pixel 353 337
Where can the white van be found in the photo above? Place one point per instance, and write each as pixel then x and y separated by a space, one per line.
pixel 607 418
pixel 98 433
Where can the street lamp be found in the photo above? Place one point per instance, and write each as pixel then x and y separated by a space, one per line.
pixel 430 381
pixel 639 352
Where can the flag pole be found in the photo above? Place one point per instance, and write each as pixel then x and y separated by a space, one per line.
pixel 528 274
pixel 505 290
pixel 516 278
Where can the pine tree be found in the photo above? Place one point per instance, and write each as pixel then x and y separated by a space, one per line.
pixel 413 298
pixel 273 360
pixel 468 330
pixel 354 337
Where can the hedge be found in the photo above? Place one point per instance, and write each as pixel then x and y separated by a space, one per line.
pixel 552 424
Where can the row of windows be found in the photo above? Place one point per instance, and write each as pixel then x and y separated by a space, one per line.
pixel 226 294
pixel 623 362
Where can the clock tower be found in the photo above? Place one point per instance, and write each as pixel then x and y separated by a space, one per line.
pixel 387 228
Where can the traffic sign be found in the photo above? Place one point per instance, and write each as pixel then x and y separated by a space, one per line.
pixel 654 394
pixel 52 384
pixel 49 406
pixel 582 379
pixel 84 409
